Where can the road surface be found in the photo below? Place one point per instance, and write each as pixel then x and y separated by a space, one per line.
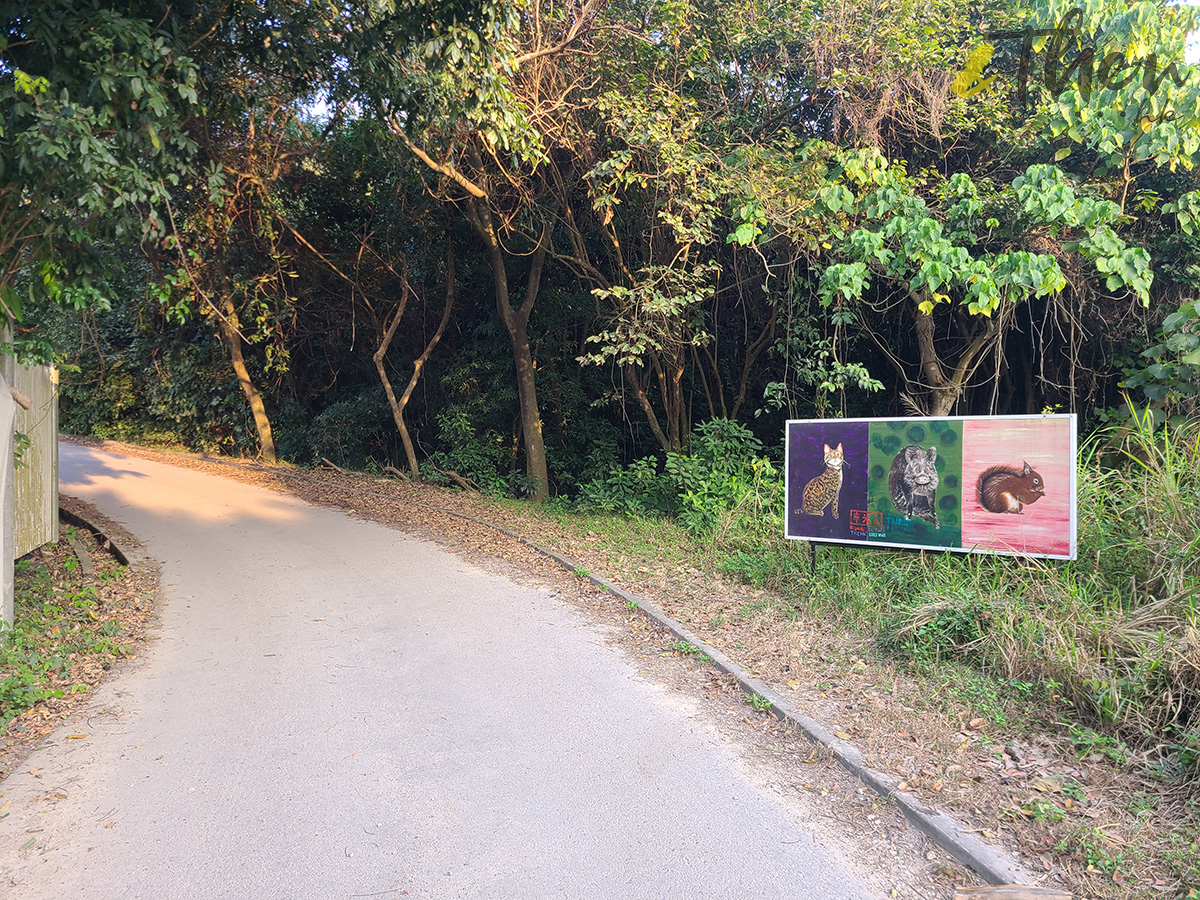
pixel 335 709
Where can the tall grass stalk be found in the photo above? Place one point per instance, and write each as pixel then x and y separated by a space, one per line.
pixel 1115 632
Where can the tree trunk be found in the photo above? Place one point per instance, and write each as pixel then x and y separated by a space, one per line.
pixel 943 394
pixel 639 392
pixel 231 334
pixel 679 413
pixel 419 364
pixel 944 390
pixel 377 358
pixel 752 353
pixel 516 321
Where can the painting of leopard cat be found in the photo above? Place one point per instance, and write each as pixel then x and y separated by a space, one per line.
pixel 822 491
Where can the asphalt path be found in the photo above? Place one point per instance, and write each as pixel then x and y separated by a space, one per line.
pixel 336 709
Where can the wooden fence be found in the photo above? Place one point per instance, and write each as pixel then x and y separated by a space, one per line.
pixel 35 488
pixel 28 468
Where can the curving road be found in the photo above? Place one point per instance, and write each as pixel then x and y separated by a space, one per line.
pixel 335 709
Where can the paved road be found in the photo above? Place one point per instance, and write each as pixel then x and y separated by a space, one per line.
pixel 335 709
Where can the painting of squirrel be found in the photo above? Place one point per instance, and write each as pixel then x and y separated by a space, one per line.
pixel 1007 489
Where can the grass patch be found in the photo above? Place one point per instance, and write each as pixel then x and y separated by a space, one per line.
pixel 687 648
pixel 62 633
pixel 1109 642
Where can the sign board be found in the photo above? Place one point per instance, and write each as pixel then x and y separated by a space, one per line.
pixel 971 484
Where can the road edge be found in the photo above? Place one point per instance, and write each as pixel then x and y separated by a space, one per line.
pixel 120 552
pixel 991 864
pixel 994 866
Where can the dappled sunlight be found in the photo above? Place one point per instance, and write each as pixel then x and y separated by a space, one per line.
pixel 173 492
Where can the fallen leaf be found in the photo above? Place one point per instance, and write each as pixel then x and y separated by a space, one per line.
pixel 1045 785
pixel 842 735
pixel 76 737
pixel 977 723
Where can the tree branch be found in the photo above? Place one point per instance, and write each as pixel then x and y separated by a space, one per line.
pixel 442 169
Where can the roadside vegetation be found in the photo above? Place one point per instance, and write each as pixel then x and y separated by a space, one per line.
pixel 1111 639
pixel 70 626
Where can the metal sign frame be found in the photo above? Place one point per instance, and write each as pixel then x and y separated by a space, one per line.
pixel 968 484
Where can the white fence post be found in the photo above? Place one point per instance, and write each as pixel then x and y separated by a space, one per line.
pixel 8 414
pixel 35 488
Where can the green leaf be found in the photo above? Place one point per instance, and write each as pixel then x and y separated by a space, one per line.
pixel 745 234
pixel 12 300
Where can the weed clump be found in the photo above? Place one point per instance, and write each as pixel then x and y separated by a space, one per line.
pixel 1112 638
pixel 1114 633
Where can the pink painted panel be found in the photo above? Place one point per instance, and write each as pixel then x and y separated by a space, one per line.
pixel 1019 485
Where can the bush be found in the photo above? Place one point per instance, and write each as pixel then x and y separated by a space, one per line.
pixel 722 489
pixel 353 430
pixel 478 457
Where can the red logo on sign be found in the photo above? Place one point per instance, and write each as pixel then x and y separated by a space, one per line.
pixel 865 518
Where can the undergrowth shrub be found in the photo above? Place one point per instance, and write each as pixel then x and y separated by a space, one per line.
pixel 635 490
pixel 723 489
pixel 353 430
pixel 480 458
pixel 1115 632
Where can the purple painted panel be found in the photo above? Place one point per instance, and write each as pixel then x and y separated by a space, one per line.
pixel 809 477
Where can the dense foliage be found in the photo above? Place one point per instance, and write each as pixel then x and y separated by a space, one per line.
pixel 600 251
pixel 535 241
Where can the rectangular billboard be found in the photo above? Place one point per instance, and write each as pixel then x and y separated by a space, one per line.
pixel 971 484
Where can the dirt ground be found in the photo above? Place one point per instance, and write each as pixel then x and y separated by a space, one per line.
pixel 1090 819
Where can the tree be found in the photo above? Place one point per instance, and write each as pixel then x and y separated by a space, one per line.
pixel 957 257
pixel 92 106
pixel 262 65
pixel 487 165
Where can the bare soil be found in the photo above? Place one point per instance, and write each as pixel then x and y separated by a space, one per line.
pixel 1091 818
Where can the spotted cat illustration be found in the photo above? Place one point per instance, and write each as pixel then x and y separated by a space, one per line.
pixel 823 490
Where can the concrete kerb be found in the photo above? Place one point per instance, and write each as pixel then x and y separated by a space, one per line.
pixel 118 550
pixel 985 860
pixel 989 863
